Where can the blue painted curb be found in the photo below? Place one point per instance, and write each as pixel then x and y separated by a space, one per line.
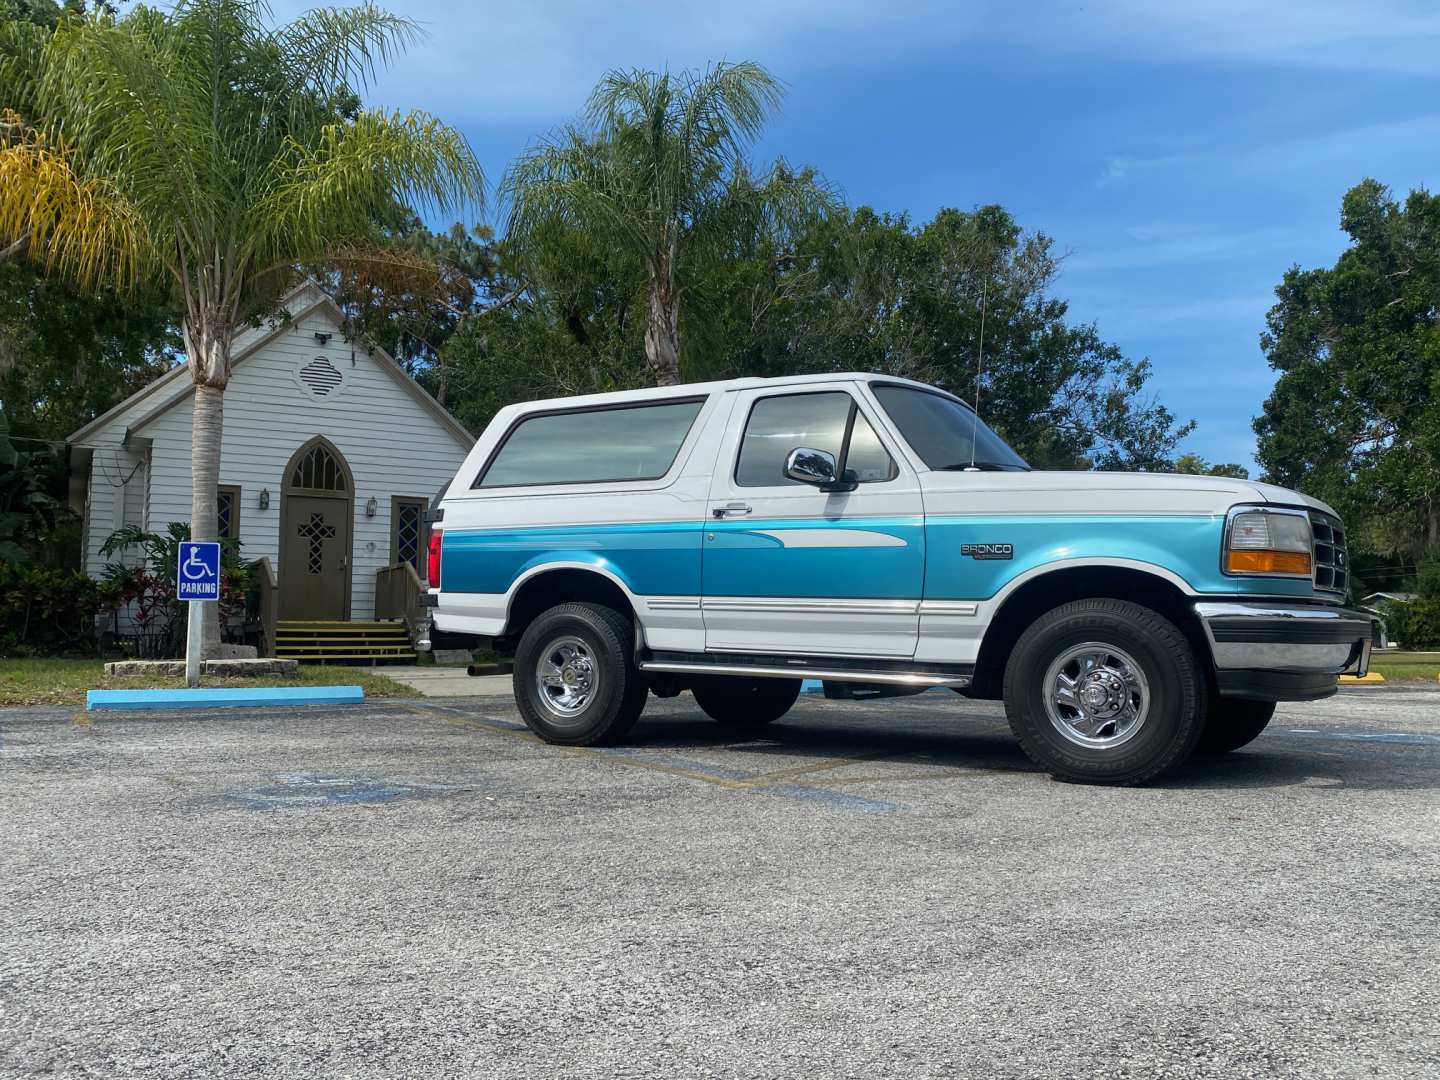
pixel 223 698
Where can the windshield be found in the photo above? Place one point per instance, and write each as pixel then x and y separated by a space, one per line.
pixel 945 433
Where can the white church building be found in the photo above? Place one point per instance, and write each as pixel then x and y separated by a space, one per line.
pixel 331 456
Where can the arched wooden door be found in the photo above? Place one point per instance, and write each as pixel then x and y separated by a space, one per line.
pixel 317 509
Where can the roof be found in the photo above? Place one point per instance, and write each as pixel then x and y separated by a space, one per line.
pixel 684 390
pixel 174 386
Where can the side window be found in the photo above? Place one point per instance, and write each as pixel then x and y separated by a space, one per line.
pixel 407 531
pixel 227 512
pixel 590 446
pixel 820 421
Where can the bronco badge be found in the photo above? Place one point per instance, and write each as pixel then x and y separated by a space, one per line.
pixel 988 551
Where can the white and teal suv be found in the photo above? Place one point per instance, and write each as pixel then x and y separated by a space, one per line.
pixel 733 539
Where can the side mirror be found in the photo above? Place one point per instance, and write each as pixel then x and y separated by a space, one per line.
pixel 817 467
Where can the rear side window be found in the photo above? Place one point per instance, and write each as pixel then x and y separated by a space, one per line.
pixel 591 446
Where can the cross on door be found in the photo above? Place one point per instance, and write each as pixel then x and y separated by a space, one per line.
pixel 317 532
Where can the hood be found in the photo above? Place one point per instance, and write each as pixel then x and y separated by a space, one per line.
pixel 1102 493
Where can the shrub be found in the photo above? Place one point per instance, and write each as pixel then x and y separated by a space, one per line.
pixel 46 612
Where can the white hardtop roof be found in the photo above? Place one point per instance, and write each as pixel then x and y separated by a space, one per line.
pixel 689 390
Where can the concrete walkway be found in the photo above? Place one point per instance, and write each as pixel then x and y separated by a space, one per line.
pixel 449 681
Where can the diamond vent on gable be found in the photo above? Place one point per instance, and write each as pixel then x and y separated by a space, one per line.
pixel 321 376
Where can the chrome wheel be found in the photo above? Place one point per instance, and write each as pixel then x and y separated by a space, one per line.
pixel 1096 696
pixel 567 677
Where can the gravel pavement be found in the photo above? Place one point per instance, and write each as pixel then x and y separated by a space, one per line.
pixel 881 889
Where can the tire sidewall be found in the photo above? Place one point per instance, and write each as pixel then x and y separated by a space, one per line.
pixel 613 662
pixel 1176 711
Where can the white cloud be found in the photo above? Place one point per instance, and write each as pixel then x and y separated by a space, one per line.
pixel 519 63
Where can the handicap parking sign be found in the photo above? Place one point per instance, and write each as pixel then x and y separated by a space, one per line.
pixel 199 573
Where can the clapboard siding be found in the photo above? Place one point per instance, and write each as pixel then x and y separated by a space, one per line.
pixel 392 443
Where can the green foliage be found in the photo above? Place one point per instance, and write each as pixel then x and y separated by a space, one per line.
pixel 46 612
pixel 32 510
pixel 1198 466
pixel 212 150
pixel 849 290
pixel 67 355
pixel 1355 414
pixel 1416 624
pixel 146 591
pixel 659 173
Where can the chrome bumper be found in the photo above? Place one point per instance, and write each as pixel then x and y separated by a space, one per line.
pixel 1284 651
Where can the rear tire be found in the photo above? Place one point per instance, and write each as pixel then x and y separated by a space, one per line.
pixel 745 704
pixel 1233 723
pixel 575 677
pixel 1105 691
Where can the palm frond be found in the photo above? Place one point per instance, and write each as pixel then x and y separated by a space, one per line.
pixel 345 47
pixel 333 188
pixel 79 226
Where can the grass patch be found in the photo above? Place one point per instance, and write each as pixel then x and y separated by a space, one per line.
pixel 1402 671
pixel 64 682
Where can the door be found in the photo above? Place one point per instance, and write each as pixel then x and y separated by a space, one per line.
pixel 790 569
pixel 314 558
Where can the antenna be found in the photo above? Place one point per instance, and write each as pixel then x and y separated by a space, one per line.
pixel 979 368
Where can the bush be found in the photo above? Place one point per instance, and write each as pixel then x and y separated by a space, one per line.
pixel 1415 625
pixel 147 592
pixel 46 612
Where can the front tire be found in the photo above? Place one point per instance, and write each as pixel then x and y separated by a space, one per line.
pixel 1105 691
pixel 1233 723
pixel 575 677
pixel 740 703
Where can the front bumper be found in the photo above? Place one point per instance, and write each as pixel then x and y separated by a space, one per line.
pixel 1284 652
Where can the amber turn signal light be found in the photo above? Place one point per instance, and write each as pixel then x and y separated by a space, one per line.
pixel 1268 562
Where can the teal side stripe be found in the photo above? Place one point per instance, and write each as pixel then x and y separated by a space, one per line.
pixel 680 558
pixel 750 558
pixel 1186 546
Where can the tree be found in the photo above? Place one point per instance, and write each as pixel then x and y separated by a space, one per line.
pixel 206 148
pixel 68 354
pixel 965 302
pixel 1355 414
pixel 660 173
pixel 1198 466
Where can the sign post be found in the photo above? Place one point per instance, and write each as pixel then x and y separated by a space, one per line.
pixel 197 580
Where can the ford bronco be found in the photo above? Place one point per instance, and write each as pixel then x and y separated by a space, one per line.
pixel 734 539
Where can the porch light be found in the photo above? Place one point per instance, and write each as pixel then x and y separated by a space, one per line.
pixel 264 498
pixel 371 506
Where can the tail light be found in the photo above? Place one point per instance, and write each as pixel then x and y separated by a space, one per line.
pixel 432 560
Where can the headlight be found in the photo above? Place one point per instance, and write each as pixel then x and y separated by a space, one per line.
pixel 1268 542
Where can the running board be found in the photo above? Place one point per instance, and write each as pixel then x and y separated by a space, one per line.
pixel 842 670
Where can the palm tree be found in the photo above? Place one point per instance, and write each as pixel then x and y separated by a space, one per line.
pixel 209 149
pixel 659 172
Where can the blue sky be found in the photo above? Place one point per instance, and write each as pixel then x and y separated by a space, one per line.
pixel 1183 154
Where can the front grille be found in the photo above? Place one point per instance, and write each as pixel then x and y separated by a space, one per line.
pixel 1332 561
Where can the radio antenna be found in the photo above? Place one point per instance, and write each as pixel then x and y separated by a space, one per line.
pixel 979 368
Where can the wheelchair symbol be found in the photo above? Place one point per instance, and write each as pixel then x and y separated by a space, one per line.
pixel 195 567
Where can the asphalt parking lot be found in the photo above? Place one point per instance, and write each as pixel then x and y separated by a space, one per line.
pixel 888 889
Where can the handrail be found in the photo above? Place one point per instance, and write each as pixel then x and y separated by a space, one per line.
pixel 268 602
pixel 397 595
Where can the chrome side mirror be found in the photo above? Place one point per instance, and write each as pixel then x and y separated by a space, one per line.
pixel 808 466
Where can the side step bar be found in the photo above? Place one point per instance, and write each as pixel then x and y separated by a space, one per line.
pixel 839 669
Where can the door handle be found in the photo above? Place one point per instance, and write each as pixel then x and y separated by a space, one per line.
pixel 734 509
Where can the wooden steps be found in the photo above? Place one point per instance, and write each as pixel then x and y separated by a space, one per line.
pixel 317 642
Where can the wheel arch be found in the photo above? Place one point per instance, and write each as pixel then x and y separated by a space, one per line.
pixel 548 584
pixel 1047 587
